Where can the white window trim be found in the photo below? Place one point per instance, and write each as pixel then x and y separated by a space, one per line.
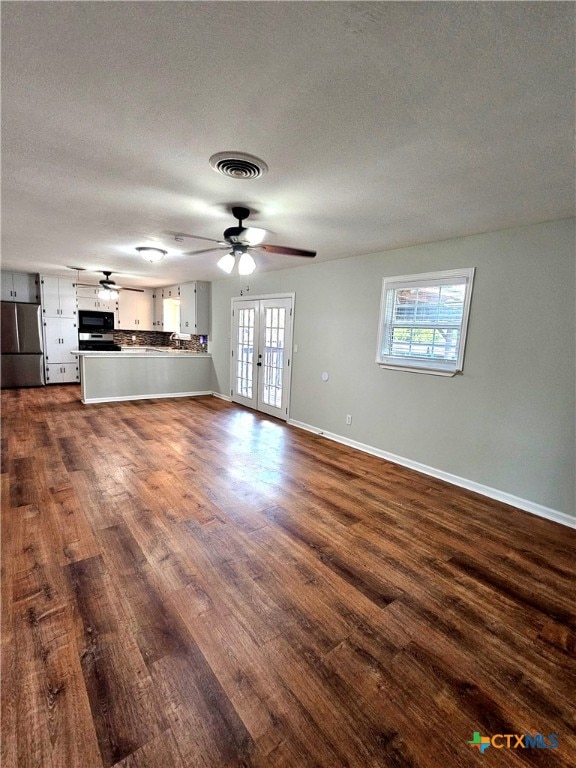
pixel 436 368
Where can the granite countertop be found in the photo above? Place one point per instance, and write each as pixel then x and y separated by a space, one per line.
pixel 141 351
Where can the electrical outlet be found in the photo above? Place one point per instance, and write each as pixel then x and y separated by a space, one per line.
pixel 348 419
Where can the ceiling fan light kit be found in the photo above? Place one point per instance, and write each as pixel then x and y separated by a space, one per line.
pixel 153 255
pixel 241 240
pixel 108 294
pixel 246 264
pixel 227 262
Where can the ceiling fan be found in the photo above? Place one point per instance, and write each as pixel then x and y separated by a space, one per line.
pixel 239 241
pixel 108 288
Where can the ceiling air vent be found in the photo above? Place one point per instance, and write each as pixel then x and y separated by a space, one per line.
pixel 238 165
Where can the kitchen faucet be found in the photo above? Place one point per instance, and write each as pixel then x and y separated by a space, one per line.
pixel 176 337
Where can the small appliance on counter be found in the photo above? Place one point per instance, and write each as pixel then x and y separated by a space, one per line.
pixel 97 342
pixel 22 348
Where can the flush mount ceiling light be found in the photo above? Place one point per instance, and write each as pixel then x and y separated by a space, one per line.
pixel 238 165
pixel 151 254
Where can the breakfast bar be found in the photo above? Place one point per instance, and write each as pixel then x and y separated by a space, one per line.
pixel 137 373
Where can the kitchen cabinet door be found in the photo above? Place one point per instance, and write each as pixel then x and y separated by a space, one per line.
pixel 195 308
pixel 107 306
pixel 50 296
pixel 62 373
pixel 87 303
pixel 136 311
pixel 58 296
pixel 188 308
pixel 172 292
pixel 60 338
pixel 20 286
pixel 87 291
pixel 158 318
pixel 94 303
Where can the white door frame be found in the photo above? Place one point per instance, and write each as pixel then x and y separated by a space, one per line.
pixel 237 299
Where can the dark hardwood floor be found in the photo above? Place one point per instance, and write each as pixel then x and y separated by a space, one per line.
pixel 187 583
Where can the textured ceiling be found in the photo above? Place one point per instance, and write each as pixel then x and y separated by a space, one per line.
pixel 383 125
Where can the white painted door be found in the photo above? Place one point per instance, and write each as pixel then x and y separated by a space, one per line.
pixel 261 354
pixel 60 338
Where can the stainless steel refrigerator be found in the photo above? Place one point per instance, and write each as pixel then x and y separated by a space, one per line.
pixel 22 350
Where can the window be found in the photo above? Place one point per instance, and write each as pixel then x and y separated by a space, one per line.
pixel 423 321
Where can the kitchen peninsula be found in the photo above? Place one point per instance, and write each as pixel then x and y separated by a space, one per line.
pixel 137 373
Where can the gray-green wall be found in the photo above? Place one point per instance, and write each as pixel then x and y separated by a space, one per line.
pixel 508 422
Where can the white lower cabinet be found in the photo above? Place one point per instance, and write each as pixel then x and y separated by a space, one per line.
pixel 60 338
pixel 62 373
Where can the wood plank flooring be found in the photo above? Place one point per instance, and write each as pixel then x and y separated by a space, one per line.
pixel 186 583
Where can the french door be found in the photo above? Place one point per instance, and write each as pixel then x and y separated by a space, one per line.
pixel 261 354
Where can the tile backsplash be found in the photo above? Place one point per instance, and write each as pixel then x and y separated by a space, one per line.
pixel 157 339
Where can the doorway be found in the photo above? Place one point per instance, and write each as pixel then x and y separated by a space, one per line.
pixel 262 353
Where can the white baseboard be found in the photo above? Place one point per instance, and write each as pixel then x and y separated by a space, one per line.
pixel 222 397
pixel 123 398
pixel 462 482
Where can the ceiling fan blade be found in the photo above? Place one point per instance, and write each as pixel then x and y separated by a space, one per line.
pixel 194 237
pixel 207 250
pixel 113 286
pixel 285 251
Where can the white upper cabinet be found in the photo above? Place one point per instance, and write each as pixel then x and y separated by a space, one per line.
pixel 136 310
pixel 87 291
pixel 158 299
pixel 171 292
pixel 195 308
pixel 58 296
pixel 20 286
pixel 89 298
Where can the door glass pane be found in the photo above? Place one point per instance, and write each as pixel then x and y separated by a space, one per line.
pixel 273 356
pixel 245 352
